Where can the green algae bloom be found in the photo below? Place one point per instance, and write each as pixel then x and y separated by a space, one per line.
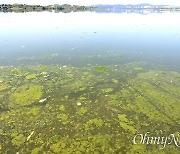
pixel 34 111
pixel 86 110
pixel 62 108
pixel 18 140
pixel 4 86
pixel 101 69
pixel 138 68
pixel 93 122
pixel 107 90
pixel 125 123
pixel 63 118
pixel 115 81
pixel 25 95
pixel 37 150
pixel 82 111
pixel 31 76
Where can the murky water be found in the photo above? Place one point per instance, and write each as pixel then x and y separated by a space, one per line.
pixel 88 82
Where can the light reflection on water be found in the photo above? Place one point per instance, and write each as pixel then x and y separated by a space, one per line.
pixel 153 37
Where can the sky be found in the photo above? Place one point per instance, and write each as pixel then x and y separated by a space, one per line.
pixel 90 2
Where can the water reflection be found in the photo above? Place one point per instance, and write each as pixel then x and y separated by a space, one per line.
pixel 151 37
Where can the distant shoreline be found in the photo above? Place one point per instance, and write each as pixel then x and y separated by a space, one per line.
pixel 38 8
pixel 76 8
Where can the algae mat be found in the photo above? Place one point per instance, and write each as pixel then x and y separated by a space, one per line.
pixel 93 109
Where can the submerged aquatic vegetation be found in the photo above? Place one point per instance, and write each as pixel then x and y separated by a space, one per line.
pixel 34 111
pixel 86 144
pixel 115 81
pixel 25 95
pixel 18 140
pixel 72 109
pixel 125 123
pixel 102 69
pixel 62 108
pixel 107 90
pixel 3 86
pixel 93 122
pixel 63 118
pixel 82 111
pixel 138 68
pixel 31 76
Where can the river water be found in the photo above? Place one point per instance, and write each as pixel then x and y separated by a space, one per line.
pixel 150 37
pixel 88 82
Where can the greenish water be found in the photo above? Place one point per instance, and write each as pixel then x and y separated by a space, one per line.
pixel 89 98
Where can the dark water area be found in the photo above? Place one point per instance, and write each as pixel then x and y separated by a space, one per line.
pixel 86 82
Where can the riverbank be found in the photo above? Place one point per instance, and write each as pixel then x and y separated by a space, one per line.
pixel 76 8
pixel 38 8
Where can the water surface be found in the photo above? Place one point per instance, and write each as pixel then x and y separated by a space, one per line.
pixel 152 37
pixel 88 82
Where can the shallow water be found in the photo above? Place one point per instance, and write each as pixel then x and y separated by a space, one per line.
pixel 88 82
pixel 152 37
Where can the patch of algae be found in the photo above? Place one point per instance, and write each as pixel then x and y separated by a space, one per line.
pixel 1 96
pixel 63 118
pixel 34 111
pixel 138 149
pixel 31 76
pixel 62 108
pixel 93 123
pixel 146 102
pixel 153 95
pixel 37 150
pixel 87 144
pixel 115 81
pixel 125 123
pixel 25 95
pixel 158 95
pixel 82 111
pixel 138 68
pixel 101 69
pixel 3 86
pixel 107 90
pixel 18 140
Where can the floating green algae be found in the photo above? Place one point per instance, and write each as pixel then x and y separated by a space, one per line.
pixel 107 90
pixel 86 111
pixel 25 95
pixel 115 81
pixel 138 68
pixel 125 123
pixel 87 144
pixel 49 56
pixel 106 57
pixel 102 69
pixel 34 111
pixel 31 76
pixel 63 118
pixel 18 140
pixel 4 86
pixel 91 124
pixel 37 150
pixel 82 111
pixel 62 108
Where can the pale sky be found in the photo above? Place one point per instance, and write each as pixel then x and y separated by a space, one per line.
pixel 90 2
